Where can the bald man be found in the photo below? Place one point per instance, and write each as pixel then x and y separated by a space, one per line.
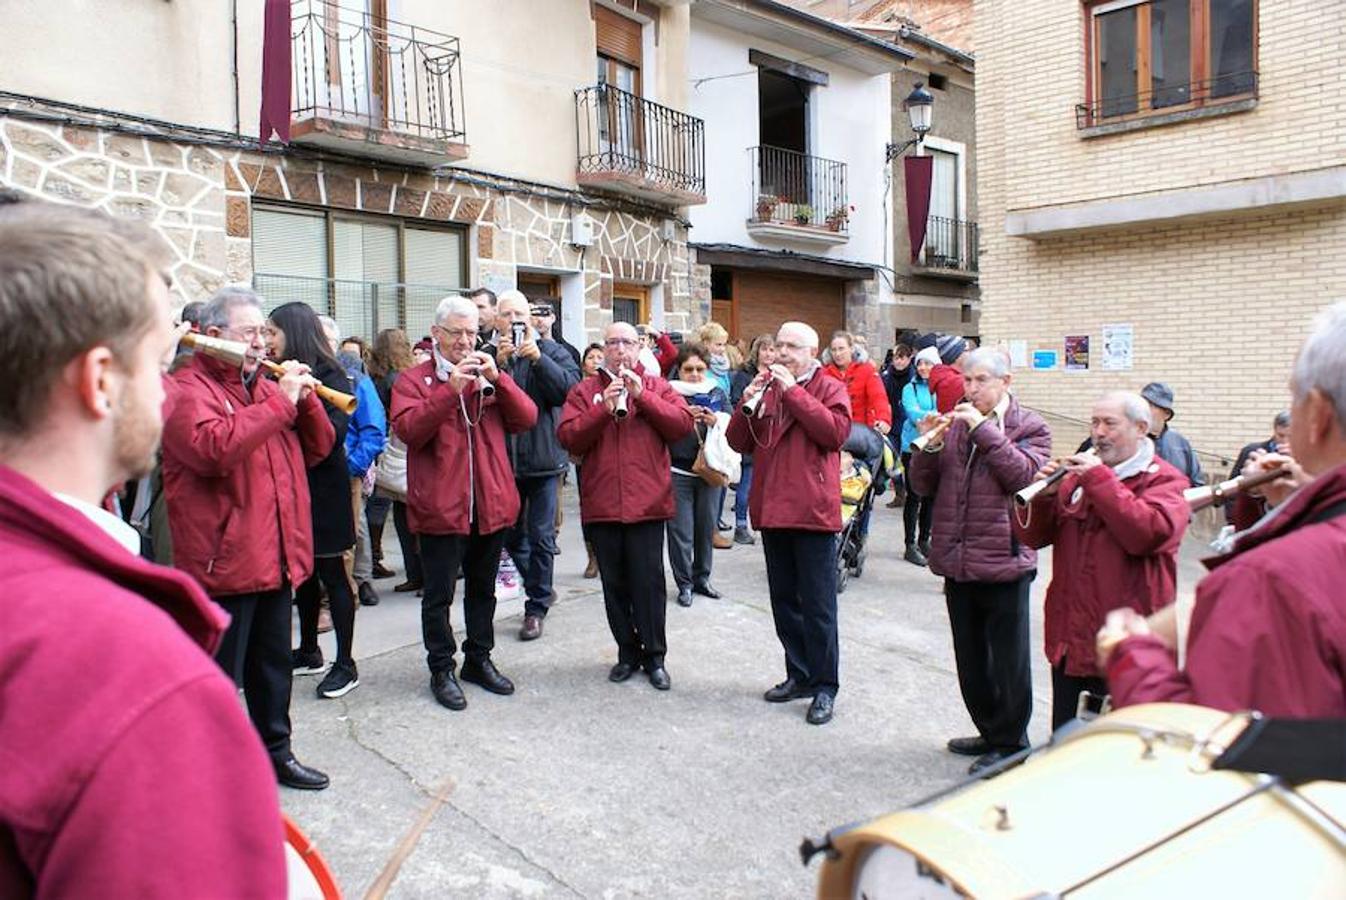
pixel 621 421
pixel 795 434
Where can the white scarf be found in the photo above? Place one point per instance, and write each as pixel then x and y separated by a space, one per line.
pixel 1137 463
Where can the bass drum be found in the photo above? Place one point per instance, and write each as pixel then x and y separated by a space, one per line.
pixel 1126 806
pixel 309 877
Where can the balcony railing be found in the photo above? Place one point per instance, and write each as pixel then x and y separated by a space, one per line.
pixel 354 69
pixel 791 188
pixel 951 244
pixel 632 145
pixel 1212 92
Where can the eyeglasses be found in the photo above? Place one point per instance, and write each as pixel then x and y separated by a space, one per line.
pixel 251 333
pixel 619 342
pixel 790 345
pixel 456 333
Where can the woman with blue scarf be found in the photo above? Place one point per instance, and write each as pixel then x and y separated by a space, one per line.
pixel 692 528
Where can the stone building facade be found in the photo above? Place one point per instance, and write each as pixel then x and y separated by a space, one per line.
pixel 200 197
pixel 1211 230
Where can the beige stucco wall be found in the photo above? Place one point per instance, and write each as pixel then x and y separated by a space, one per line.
pixel 1219 305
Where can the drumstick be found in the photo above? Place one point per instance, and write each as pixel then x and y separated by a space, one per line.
pixel 379 888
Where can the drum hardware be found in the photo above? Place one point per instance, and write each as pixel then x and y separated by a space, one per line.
pixel 809 849
pixel 1148 738
pixel 1206 750
pixel 1003 820
pixel 1090 706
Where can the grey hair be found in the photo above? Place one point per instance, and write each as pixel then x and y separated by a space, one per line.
pixel 226 299
pixel 456 305
pixel 330 328
pixel 1133 406
pixel 1322 360
pixel 1282 419
pixel 987 358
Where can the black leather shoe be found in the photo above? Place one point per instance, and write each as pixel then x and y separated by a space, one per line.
pixel 447 690
pixel 379 570
pixel 987 760
pixel 368 596
pixel 294 774
pixel 820 711
pixel 659 678
pixel 621 672
pixel 407 586
pixel 487 675
pixel 531 629
pixel 684 596
pixel 924 547
pixel 787 690
pixel 705 590
pixel 969 746
pixel 915 556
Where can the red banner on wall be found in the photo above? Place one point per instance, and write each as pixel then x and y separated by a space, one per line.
pixel 276 70
pixel 919 172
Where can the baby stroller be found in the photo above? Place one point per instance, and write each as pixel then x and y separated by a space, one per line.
pixel 860 483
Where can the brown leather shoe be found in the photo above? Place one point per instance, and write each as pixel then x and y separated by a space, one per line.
pixel 531 629
pixel 591 570
pixel 720 542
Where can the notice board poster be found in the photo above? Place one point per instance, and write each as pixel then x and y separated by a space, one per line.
pixel 1118 341
pixel 1077 353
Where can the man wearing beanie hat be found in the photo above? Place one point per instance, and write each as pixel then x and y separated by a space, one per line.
pixel 946 379
pixel 1169 445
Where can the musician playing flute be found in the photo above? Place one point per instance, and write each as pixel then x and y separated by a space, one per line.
pixel 453 412
pixel 236 450
pixel 621 421
pixel 1268 629
pixel 1115 522
pixel 992 449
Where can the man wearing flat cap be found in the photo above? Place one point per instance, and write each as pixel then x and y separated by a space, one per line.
pixel 1169 445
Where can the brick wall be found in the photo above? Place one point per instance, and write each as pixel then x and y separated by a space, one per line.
pixel 1219 305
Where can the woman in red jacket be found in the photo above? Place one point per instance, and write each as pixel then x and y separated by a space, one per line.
pixel 869 401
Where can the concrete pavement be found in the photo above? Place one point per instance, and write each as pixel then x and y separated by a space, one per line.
pixel 578 787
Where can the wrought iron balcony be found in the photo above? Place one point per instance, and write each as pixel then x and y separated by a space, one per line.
pixel 951 248
pixel 1213 93
pixel 798 197
pixel 367 84
pixel 637 147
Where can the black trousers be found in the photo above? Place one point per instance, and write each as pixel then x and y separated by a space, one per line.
pixel 917 510
pixel 801 574
pixel 411 548
pixel 255 652
pixel 331 572
pixel 989 622
pixel 1066 691
pixel 631 565
pixel 478 555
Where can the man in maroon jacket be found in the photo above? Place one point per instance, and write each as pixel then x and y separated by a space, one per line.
pixel 621 422
pixel 795 436
pixel 992 449
pixel 1115 522
pixel 452 411
pixel 236 448
pixel 143 779
pixel 1268 629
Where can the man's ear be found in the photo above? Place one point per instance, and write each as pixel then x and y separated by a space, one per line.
pixel 1321 415
pixel 93 374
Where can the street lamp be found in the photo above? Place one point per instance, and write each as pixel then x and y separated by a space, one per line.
pixel 920 106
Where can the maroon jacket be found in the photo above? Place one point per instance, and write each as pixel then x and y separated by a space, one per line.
pixel 144 778
pixel 626 465
pixel 972 480
pixel 458 468
pixel 796 454
pixel 946 383
pixel 1116 544
pixel 1268 629
pixel 236 479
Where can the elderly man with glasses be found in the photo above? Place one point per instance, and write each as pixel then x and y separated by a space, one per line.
pixel 453 412
pixel 793 420
pixel 621 422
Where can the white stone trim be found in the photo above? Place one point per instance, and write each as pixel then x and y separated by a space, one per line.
pixel 1259 194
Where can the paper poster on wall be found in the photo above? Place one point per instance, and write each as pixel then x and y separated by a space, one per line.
pixel 1118 342
pixel 1018 351
pixel 1044 359
pixel 1077 353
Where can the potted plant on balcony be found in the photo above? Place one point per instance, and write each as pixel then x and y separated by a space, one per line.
pixel 836 219
pixel 766 205
pixel 803 214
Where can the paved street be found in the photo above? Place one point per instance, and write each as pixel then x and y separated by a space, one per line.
pixel 578 787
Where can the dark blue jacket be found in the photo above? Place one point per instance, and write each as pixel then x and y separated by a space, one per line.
pixel 536 452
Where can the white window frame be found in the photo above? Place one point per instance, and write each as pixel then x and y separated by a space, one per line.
pixel 959 150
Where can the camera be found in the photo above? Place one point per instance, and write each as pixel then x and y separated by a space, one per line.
pixel 518 333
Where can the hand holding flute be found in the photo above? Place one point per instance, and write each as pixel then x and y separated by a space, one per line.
pixel 1047 478
pixel 300 383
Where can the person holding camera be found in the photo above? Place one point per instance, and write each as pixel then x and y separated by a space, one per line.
pixel 545 372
